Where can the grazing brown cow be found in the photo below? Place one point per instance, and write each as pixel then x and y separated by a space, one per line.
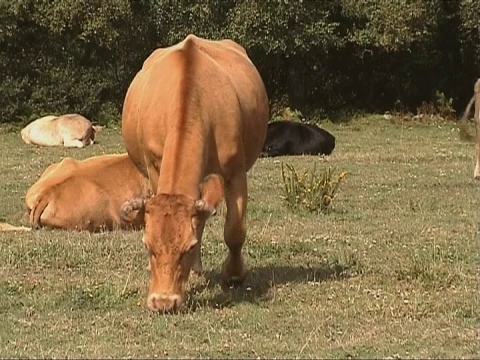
pixel 197 110
pixel 71 130
pixel 87 195
pixel 475 99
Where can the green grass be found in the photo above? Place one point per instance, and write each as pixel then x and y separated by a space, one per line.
pixel 391 271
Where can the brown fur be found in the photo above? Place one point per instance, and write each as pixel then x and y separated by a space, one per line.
pixel 87 195
pixel 194 109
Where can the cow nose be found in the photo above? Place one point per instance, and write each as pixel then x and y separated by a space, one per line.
pixel 164 303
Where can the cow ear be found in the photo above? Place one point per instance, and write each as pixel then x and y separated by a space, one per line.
pixel 97 128
pixel 212 193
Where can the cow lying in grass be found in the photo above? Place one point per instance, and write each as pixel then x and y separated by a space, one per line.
pixel 292 138
pixel 87 195
pixel 71 130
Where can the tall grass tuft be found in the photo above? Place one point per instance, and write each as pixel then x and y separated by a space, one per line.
pixel 311 191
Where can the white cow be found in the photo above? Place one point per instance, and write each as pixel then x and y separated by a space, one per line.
pixel 71 130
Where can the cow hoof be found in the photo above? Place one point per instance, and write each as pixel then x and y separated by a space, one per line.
pixel 233 271
pixel 232 282
pixel 232 278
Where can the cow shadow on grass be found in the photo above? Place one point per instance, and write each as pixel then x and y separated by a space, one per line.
pixel 262 283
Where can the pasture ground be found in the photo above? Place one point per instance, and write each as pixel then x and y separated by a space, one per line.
pixel 391 271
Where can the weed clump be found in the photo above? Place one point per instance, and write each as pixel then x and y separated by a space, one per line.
pixel 311 191
pixel 442 107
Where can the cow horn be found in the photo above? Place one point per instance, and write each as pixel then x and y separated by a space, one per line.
pixel 212 194
pixel 131 205
pixel 202 205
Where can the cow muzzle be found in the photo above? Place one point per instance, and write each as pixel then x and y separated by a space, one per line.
pixel 164 303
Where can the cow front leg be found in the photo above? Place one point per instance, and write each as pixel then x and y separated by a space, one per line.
pixel 477 166
pixel 233 270
pixel 476 90
pixel 73 143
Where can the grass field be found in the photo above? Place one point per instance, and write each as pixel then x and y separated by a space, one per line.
pixel 391 271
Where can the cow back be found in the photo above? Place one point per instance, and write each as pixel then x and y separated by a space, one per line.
pixel 205 96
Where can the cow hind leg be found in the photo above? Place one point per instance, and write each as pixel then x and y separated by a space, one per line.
pixel 233 270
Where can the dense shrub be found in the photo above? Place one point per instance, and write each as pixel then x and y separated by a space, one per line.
pixel 80 56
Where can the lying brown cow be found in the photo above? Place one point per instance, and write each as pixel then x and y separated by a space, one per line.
pixel 195 110
pixel 475 99
pixel 71 130
pixel 87 195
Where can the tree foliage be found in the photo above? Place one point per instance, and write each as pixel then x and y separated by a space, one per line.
pixel 391 26
pixel 80 56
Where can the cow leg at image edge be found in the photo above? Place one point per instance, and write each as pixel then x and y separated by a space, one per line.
pixel 476 92
pixel 233 270
pixel 477 166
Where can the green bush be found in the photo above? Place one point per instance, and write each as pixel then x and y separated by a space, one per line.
pixel 328 56
pixel 289 114
pixel 442 107
pixel 311 191
pixel 109 115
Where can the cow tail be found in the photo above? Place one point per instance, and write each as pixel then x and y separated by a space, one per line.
pixel 468 109
pixel 463 123
pixel 41 202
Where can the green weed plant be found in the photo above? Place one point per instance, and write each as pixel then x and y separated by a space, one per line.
pixel 313 191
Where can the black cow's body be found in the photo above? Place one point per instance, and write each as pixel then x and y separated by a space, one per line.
pixel 291 138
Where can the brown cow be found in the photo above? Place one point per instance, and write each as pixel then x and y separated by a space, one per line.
pixel 475 99
pixel 87 195
pixel 197 110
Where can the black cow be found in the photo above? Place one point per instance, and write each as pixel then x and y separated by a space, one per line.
pixel 292 138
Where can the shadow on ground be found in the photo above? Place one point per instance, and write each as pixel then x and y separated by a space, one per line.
pixel 259 283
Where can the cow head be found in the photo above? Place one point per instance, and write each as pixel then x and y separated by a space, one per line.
pixel 96 127
pixel 93 131
pixel 170 236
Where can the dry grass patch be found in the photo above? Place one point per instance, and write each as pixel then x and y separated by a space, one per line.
pixel 389 271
